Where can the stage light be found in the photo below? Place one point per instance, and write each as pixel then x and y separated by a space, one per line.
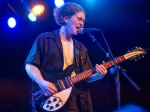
pixel 32 17
pixel 59 3
pixel 11 22
pixel 37 9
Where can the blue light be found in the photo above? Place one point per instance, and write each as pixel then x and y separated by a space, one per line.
pixel 11 22
pixel 32 17
pixel 59 3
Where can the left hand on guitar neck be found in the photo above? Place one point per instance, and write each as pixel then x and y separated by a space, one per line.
pixel 101 70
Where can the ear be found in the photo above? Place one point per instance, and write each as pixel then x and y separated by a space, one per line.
pixel 66 19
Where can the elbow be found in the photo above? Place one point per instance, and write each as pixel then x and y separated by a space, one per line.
pixel 28 67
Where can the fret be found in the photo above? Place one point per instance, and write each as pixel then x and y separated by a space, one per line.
pixel 116 60
pixel 82 75
pixel 78 78
pixel 120 59
pixel 112 63
pixel 109 64
pixel 75 79
pixel 88 74
pixel 72 79
pixel 105 64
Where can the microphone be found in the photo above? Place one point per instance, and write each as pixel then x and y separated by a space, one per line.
pixel 88 30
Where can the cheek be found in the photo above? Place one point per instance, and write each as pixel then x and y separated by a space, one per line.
pixel 73 22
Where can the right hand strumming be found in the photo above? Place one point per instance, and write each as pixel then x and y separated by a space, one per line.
pixel 48 88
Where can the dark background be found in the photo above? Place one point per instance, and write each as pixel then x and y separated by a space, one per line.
pixel 125 24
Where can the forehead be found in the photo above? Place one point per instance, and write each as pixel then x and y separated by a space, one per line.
pixel 80 14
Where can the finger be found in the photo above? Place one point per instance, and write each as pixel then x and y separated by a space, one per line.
pixel 53 87
pixel 103 62
pixel 100 73
pixel 46 94
pixel 100 69
pixel 51 91
pixel 104 69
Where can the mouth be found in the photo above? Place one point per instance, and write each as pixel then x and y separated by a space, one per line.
pixel 78 27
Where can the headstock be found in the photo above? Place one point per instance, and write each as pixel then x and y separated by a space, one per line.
pixel 136 53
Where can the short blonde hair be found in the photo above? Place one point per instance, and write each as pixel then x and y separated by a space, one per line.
pixel 68 9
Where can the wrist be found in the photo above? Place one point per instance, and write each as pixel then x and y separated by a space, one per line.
pixel 39 82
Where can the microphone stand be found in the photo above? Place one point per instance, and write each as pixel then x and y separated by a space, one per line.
pixel 115 70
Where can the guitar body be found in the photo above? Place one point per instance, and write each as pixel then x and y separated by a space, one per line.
pixel 57 100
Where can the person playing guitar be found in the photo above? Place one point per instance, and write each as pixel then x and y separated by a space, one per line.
pixel 56 55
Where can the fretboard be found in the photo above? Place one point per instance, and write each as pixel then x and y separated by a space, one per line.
pixel 88 73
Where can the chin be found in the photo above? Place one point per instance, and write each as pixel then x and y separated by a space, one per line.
pixel 75 33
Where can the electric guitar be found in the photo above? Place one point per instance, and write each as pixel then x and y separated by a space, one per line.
pixel 65 84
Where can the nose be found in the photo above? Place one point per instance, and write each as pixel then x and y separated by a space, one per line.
pixel 81 24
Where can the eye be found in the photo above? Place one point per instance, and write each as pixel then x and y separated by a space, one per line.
pixel 80 19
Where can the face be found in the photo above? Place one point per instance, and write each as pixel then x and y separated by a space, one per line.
pixel 75 22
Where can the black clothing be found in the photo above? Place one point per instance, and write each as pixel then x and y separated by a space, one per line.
pixel 47 55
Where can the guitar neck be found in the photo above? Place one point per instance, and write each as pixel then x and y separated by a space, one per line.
pixel 88 73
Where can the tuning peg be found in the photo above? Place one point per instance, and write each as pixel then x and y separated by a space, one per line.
pixel 128 51
pixel 143 56
pixel 136 59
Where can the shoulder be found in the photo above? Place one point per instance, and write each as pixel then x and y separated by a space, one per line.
pixel 47 35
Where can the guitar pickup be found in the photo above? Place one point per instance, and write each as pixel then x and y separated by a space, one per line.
pixel 69 81
pixel 61 85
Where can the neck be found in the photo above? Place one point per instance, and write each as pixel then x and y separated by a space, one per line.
pixel 64 35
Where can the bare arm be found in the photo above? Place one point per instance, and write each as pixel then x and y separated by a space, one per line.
pixel 34 73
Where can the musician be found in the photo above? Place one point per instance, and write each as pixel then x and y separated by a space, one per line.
pixel 52 52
